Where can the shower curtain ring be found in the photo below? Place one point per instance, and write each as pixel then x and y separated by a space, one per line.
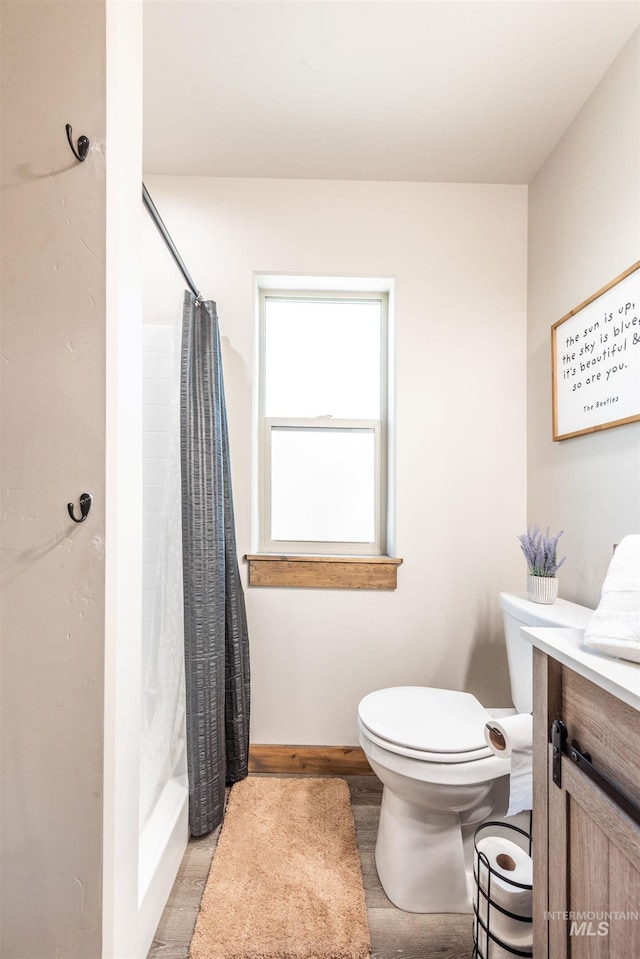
pixel 85 505
pixel 83 145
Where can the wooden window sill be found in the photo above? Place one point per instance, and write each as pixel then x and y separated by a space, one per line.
pixel 323 572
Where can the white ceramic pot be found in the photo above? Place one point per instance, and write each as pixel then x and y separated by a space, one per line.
pixel 542 589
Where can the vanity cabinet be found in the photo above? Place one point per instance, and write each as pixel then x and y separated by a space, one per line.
pixel 586 842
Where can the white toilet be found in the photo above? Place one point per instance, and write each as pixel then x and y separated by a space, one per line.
pixel 440 779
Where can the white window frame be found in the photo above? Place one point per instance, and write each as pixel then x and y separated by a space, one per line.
pixel 379 428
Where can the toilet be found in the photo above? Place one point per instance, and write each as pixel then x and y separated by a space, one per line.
pixel 440 778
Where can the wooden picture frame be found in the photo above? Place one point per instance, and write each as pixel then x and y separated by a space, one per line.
pixel 595 360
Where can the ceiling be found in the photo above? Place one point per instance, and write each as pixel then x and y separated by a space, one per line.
pixel 435 90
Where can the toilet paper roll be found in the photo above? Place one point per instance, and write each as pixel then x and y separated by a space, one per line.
pixel 509 734
pixel 512 737
pixel 489 949
pixel 509 864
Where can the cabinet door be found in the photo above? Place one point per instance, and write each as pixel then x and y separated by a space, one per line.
pixel 594 872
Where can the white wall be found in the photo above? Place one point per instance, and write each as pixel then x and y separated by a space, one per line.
pixel 584 230
pixel 53 449
pixel 458 256
pixel 71 304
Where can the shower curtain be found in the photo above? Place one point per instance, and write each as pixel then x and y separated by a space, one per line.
pixel 216 637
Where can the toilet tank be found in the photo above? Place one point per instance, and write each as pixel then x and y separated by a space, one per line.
pixel 519 611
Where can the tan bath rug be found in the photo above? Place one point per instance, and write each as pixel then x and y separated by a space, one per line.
pixel 285 882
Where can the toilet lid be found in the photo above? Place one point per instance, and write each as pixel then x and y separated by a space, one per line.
pixel 427 719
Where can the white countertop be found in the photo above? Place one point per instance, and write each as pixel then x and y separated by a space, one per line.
pixel 616 676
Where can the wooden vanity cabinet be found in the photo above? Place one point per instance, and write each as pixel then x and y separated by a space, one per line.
pixel 586 848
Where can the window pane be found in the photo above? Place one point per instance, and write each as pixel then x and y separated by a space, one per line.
pixel 322 486
pixel 322 358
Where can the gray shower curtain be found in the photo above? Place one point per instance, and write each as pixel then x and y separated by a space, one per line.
pixel 215 623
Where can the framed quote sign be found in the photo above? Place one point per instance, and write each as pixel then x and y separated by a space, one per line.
pixel 595 360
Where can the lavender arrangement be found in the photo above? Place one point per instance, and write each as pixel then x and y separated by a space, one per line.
pixel 540 551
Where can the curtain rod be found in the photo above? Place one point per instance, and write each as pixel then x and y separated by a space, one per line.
pixel 164 233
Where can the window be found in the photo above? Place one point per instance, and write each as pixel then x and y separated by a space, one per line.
pixel 323 429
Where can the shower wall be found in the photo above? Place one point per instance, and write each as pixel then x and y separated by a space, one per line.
pixel 163 774
pixel 162 690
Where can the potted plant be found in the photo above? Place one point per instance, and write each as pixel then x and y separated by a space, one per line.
pixel 540 551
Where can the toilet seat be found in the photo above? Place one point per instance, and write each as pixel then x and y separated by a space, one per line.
pixel 423 755
pixel 429 724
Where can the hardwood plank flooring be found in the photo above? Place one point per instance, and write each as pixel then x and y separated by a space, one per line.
pixel 394 933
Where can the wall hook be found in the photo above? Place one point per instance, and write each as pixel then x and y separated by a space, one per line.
pixel 80 154
pixel 85 505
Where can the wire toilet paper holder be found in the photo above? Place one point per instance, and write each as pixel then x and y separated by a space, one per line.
pixel 480 860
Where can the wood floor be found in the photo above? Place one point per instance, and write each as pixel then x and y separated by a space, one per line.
pixel 394 933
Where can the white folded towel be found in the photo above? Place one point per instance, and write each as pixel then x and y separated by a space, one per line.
pixel 614 628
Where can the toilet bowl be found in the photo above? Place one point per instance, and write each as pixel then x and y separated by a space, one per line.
pixel 440 778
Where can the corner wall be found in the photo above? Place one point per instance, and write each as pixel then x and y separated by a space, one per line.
pixel 457 254
pixel 53 449
pixel 584 230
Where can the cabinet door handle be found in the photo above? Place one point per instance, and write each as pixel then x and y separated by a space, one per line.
pixel 559 741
